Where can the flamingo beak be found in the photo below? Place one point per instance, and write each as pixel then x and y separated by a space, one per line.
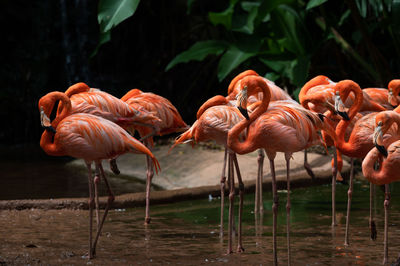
pixel 330 107
pixel 241 102
pixel 392 98
pixel 244 112
pixel 340 107
pixel 378 142
pixel 45 121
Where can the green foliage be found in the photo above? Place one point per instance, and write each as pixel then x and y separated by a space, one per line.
pixel 110 14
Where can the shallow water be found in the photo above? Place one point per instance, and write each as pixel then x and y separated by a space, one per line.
pixel 187 233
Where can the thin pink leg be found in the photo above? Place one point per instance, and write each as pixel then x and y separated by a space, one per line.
pixel 386 236
pixel 96 195
pixel 274 210
pixel 334 174
pixel 241 197
pixel 372 225
pixel 259 183
pixel 223 179
pixel 150 174
pixel 288 206
pixel 109 202
pixel 349 195
pixel 91 203
pixel 231 179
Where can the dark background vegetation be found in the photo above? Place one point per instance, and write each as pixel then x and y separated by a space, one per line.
pixel 47 46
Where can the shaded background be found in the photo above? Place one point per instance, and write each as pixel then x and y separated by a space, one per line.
pixel 47 47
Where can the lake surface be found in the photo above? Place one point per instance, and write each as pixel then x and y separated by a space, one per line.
pixel 187 233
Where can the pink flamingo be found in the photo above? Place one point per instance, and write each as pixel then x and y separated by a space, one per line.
pixel 359 142
pixel 170 122
pixel 89 137
pixel 285 128
pixel 388 162
pixel 214 124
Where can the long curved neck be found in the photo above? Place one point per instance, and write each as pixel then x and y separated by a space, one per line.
pixel 394 117
pixel 233 135
pixel 46 141
pixel 66 110
pixel 343 124
pixel 214 101
pixel 130 94
pixel 318 80
pixel 374 176
pixel 235 80
pixel 77 88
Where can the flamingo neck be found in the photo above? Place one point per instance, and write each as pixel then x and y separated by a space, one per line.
pixel 236 79
pixel 65 110
pixel 344 146
pixel 379 176
pixel 214 101
pixel 318 80
pixel 50 147
pixel 233 135
pixel 130 94
pixel 77 88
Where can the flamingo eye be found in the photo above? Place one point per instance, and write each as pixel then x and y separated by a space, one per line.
pixel 380 123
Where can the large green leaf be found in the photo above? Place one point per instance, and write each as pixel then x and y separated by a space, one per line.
pixel 315 3
pixel 104 37
pixel 198 52
pixel 231 59
pixel 224 17
pixel 247 25
pixel 113 12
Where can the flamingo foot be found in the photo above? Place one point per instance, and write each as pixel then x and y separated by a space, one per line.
pixel 240 249
pixel 147 220
pixel 229 251
pixel 374 233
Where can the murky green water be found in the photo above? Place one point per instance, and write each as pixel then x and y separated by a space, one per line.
pixel 187 233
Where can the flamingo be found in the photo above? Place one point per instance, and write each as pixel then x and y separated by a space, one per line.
pixel 89 137
pixel 359 142
pixel 170 122
pixel 387 171
pixel 214 124
pixel 96 102
pixel 318 95
pixel 285 127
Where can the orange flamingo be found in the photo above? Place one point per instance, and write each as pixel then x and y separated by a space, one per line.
pixel 96 102
pixel 214 124
pixel 284 128
pixel 89 137
pixel 170 122
pixel 387 171
pixel 360 141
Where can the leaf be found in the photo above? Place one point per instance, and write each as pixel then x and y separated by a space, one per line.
pixel 224 17
pixel 248 25
pixel 104 37
pixel 315 3
pixel 198 52
pixel 231 59
pixel 113 12
pixel 189 6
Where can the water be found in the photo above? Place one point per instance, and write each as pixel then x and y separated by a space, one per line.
pixel 187 233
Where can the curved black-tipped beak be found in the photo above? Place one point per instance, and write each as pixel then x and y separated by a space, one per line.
pixel 50 129
pixel 243 112
pixel 382 150
pixel 344 115
pixel 321 116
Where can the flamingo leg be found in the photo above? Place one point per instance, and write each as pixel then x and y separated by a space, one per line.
pixel 91 203
pixel 96 195
pixel 288 205
pixel 109 202
pixel 114 166
pixel 386 236
pixel 334 174
pixel 231 179
pixel 241 195
pixel 274 209
pixel 150 174
pixel 259 183
pixel 307 166
pixel 223 179
pixel 349 195
pixel 372 225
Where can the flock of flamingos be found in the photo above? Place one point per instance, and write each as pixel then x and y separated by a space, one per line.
pixel 255 115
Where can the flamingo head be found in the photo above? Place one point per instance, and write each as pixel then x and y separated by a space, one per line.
pixel 340 108
pixel 394 90
pixel 378 138
pixel 46 105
